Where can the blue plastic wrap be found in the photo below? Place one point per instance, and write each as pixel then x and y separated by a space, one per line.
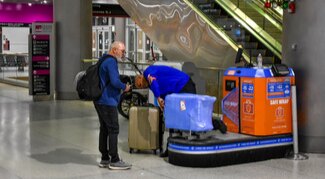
pixel 189 112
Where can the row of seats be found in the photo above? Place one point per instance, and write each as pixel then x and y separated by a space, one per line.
pixel 13 60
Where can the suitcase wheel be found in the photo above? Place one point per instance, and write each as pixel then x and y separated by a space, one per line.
pixel 131 151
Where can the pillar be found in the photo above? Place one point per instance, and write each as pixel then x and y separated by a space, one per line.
pixel 303 50
pixel 73 20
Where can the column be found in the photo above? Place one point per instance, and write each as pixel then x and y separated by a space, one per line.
pixel 73 20
pixel 303 50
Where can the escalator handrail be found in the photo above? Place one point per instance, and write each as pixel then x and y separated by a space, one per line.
pixel 268 13
pixel 252 27
pixel 277 12
pixel 272 15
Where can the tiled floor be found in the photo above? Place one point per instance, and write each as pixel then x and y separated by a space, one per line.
pixel 58 139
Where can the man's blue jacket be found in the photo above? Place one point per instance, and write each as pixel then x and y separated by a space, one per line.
pixel 110 81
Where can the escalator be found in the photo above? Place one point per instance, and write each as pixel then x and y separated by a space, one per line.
pixel 270 19
pixel 247 24
pixel 208 32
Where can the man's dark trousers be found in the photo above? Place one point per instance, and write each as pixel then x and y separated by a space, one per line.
pixel 108 131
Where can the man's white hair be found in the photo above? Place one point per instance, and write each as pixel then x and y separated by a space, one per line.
pixel 115 44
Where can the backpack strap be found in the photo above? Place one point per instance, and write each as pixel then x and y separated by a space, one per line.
pixel 101 60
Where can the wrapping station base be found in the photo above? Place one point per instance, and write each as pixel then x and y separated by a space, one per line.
pixel 226 149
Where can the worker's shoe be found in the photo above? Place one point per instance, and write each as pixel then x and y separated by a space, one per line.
pixel 164 154
pixel 219 125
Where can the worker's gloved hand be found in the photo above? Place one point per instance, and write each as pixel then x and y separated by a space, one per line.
pixel 161 103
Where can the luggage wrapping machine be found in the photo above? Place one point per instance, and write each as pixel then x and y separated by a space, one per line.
pixel 257 111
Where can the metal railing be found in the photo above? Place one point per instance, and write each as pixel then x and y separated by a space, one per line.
pixel 212 76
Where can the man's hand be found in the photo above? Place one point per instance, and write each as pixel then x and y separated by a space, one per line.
pixel 128 87
pixel 161 103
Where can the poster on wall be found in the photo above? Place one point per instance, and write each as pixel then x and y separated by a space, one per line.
pixel 40 64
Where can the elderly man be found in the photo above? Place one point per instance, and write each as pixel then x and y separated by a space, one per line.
pixel 106 108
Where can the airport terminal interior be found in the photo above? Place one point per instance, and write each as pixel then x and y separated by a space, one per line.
pixel 247 55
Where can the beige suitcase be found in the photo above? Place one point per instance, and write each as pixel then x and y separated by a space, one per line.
pixel 144 129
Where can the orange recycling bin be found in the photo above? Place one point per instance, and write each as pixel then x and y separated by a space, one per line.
pixel 256 102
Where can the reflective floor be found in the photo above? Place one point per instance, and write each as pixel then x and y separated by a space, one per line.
pixel 58 139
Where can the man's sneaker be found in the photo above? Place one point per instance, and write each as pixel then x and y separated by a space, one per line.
pixel 104 163
pixel 119 165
